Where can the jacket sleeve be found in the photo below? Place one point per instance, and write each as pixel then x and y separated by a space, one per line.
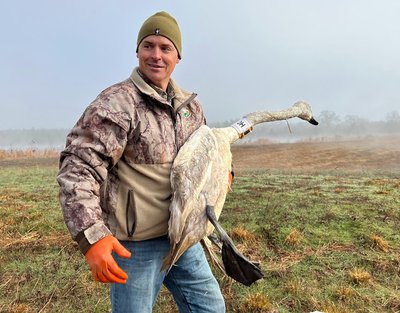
pixel 94 145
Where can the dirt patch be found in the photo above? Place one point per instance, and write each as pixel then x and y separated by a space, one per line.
pixel 375 153
pixel 364 154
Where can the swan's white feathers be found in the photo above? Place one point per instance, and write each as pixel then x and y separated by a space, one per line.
pixel 204 181
pixel 199 177
pixel 189 176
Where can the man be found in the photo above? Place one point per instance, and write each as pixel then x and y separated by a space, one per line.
pixel 114 180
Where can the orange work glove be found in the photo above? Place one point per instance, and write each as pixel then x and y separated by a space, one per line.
pixel 102 264
pixel 230 179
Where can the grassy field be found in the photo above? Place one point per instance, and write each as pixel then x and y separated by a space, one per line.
pixel 327 240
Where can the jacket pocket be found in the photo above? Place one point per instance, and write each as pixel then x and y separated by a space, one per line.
pixel 104 197
pixel 131 214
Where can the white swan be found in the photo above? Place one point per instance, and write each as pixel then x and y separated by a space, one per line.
pixel 199 179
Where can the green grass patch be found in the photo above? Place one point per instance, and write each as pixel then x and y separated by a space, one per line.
pixel 326 241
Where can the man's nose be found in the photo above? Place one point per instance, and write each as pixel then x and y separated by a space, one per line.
pixel 156 53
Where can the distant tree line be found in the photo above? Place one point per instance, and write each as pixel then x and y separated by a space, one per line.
pixel 331 126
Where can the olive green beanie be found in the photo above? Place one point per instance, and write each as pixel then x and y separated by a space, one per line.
pixel 162 24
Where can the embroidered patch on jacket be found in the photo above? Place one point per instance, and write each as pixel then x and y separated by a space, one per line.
pixel 186 113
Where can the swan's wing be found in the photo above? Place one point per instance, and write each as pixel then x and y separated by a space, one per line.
pixel 190 171
pixel 208 185
pixel 193 231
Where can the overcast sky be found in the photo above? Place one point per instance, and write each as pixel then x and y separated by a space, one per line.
pixel 239 56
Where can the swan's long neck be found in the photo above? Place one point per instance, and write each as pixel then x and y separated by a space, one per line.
pixel 228 133
pixel 245 125
pixel 266 116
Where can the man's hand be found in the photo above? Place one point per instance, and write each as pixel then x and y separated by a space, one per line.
pixel 102 264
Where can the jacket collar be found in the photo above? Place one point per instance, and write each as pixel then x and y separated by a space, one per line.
pixel 181 96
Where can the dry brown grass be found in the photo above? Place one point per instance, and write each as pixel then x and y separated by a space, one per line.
pixel 242 234
pixel 380 243
pixel 382 192
pixel 295 287
pixel 294 238
pixel 377 182
pixel 256 303
pixel 288 260
pixel 316 191
pixel 27 153
pixel 339 189
pixel 345 293
pixel 21 308
pixel 359 276
pixel 334 308
pixel 35 240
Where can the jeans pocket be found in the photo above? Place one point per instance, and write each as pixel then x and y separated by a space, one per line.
pixel 131 215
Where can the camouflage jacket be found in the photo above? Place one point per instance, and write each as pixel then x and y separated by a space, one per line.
pixel 115 170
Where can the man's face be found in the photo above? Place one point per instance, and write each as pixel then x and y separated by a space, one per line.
pixel 157 59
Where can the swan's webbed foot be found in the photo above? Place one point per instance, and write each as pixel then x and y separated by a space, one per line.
pixel 236 264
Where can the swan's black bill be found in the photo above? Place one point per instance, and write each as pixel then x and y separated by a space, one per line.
pixel 313 121
pixel 236 264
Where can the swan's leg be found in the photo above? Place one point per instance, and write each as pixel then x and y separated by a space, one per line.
pixel 236 264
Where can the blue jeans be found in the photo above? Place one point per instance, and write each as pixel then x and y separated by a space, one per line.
pixel 190 280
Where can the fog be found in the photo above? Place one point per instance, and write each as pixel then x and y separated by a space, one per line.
pixel 331 127
pixel 239 56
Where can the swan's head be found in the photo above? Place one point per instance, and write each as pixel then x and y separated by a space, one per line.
pixel 306 113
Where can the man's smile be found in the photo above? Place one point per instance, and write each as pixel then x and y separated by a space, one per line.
pixel 155 66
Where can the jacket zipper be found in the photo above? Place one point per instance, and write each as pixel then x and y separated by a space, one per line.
pixel 131 203
pixel 175 113
pixel 190 99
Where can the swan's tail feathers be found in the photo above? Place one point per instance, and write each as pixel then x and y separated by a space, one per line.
pixel 236 264
pixel 174 254
pixel 175 223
